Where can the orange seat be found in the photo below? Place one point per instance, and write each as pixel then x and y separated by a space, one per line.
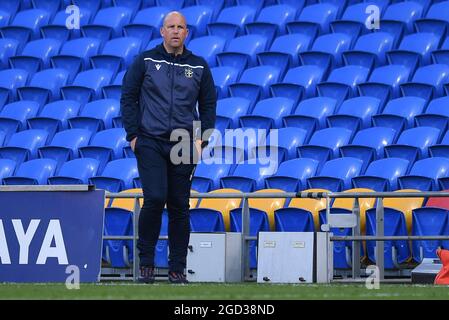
pixel 405 205
pixel 268 205
pixel 312 205
pixel 127 203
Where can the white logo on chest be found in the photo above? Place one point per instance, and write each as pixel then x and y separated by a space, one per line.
pixel 158 66
pixel 188 72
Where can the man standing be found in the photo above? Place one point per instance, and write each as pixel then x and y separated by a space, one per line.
pixel 160 93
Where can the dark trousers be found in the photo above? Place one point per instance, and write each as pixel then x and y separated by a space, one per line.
pixel 163 183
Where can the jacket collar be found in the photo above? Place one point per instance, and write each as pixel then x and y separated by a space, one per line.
pixel 185 53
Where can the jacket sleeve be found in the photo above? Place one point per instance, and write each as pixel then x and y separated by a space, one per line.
pixel 129 101
pixel 207 102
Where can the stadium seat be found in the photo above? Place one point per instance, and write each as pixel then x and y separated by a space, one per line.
pixel 87 85
pixel 7 168
pixel 114 90
pixel 399 113
pixel 428 221
pixel 231 20
pixel 58 30
pixel 91 5
pixel 298 82
pixel 405 205
pixel 384 82
pixel 75 55
pixel 292 175
pixel 108 23
pixel 268 113
pixel 44 86
pixel 413 143
pixel 424 174
pixel 10 80
pixel 441 56
pixel 36 55
pixel 342 82
pixel 117 176
pixel 206 221
pixel 22 146
pixel 399 17
pixel 439 202
pixel 427 82
pixel 314 19
pixel 436 19
pixel 382 174
pixel 118 222
pixel 436 115
pixel 336 174
pixel 207 175
pixel 369 50
pixel 11 7
pixel 64 145
pixel 117 54
pixel 14 115
pixel 76 171
pixel 8 48
pixel 105 146
pixel 267 205
pixel 229 110
pixel 33 172
pixel 53 116
pixel 324 144
pixel 311 114
pixel 292 220
pixel 197 18
pixel 311 205
pixel 355 113
pixel 207 47
pixel 368 145
pixel 223 77
pixel 96 115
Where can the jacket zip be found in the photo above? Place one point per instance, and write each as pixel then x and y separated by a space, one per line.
pixel 172 88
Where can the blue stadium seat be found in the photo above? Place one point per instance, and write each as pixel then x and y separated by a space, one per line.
pixel 53 117
pixel 254 83
pixel 76 171
pixel 96 115
pixel 10 80
pixel 326 51
pixel 414 50
pixel 134 5
pixel 441 149
pixel 216 5
pixel 292 175
pixel 369 50
pixel 87 85
pixel 118 222
pixel 207 175
pixel 382 174
pixel 223 77
pixel 292 220
pixel 368 144
pixel 436 20
pixel 105 146
pixel 268 113
pixel 441 56
pixel 396 251
pixel 44 86
pixel 10 6
pixel 208 47
pixel 34 171
pixel 154 43
pixel 424 174
pixel 25 26
pixel 298 82
pixel 91 5
pixel 427 82
pixel 229 111
pixel 146 24
pixel 230 21
pixel 51 6
pixel 248 176
pixel 336 174
pixel 58 30
pixel 399 114
pixel 325 143
pixel 428 221
pixel 258 221
pixel 117 54
pixel 64 145
pixel 36 55
pixel 413 143
pixel 8 48
pixel 172 4
pixel 197 18
pixel 206 220
pixel 108 23
pixel 284 51
pixel 342 82
pixel 14 115
pixel 271 21
pixel 4 18
pixel 355 113
pixel 22 146
pixel 114 90
pixel 117 176
pixel 241 51
pixel 7 168
pixel 436 114
pixel 161 249
pixel 314 19
pixel 384 82
pixel 75 54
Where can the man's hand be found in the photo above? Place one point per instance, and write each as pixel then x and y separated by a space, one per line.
pixel 133 143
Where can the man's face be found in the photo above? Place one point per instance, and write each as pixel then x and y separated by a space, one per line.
pixel 174 31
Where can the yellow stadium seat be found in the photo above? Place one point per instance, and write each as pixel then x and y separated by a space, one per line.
pixel 224 205
pixel 406 205
pixel 312 205
pixel 268 204
pixel 127 203
pixel 364 203
pixel 193 201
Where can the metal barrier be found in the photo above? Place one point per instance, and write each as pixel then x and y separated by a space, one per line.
pixel 333 221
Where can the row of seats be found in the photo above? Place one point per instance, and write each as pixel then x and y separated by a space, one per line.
pixel 403 216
